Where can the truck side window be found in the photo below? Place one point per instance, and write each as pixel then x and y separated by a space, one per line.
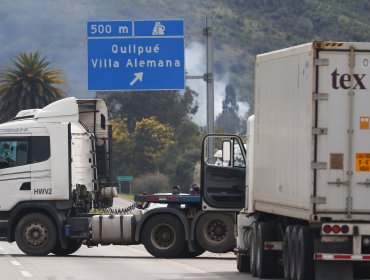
pixel 239 160
pixel 40 148
pixel 13 152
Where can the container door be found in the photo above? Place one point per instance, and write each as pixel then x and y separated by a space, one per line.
pixel 342 162
pixel 223 172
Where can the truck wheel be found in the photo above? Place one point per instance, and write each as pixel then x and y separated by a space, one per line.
pixel 293 254
pixel 253 248
pixel 73 246
pixel 186 253
pixel 164 236
pixel 242 263
pixel 215 232
pixel 266 261
pixel 304 262
pixel 286 251
pixel 36 234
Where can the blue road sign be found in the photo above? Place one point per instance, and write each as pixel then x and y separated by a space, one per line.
pixel 136 55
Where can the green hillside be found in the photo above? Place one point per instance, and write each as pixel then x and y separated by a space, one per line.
pixel 244 28
pixel 254 27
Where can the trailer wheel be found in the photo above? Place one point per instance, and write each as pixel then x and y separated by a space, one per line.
pixel 293 254
pixel 36 234
pixel 266 261
pixel 253 249
pixel 286 251
pixel 215 232
pixel 73 246
pixel 242 263
pixel 163 236
pixel 304 259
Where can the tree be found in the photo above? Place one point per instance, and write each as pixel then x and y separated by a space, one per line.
pixel 163 137
pixel 136 152
pixel 178 160
pixel 30 83
pixel 169 107
pixel 123 148
pixel 229 120
pixel 151 138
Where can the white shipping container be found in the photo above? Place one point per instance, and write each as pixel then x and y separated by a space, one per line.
pixel 312 132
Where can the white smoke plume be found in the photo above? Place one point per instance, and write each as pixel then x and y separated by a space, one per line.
pixel 195 65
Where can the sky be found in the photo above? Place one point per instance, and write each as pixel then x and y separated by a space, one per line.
pixel 58 29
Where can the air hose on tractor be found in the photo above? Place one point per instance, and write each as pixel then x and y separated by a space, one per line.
pixel 102 209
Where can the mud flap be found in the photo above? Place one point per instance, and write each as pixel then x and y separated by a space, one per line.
pixel 338 270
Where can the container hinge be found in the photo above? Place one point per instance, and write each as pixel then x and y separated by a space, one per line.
pixel 319 165
pixel 320 96
pixel 321 62
pixel 319 131
pixel 318 200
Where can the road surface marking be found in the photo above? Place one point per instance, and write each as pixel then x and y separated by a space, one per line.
pixel 26 274
pixel 15 263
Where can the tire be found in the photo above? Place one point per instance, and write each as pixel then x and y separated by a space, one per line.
pixel 187 254
pixel 266 261
pixel 164 236
pixel 215 232
pixel 73 246
pixel 286 251
pixel 305 249
pixel 293 253
pixel 36 234
pixel 253 249
pixel 242 263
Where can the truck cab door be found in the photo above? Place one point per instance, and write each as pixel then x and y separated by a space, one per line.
pixel 15 171
pixel 223 170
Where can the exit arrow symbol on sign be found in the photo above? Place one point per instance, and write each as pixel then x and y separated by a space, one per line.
pixel 138 77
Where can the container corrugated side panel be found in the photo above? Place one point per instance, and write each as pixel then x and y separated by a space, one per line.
pixel 284 115
pixel 346 147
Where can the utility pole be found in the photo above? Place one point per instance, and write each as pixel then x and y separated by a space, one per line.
pixel 208 76
pixel 208 32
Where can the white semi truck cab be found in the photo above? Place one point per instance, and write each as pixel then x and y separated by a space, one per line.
pixel 52 161
pixel 55 172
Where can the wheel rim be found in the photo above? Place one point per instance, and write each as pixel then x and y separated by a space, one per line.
pixel 216 230
pixel 36 234
pixel 163 236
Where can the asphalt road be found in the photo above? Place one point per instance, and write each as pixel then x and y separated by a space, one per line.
pixel 114 262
